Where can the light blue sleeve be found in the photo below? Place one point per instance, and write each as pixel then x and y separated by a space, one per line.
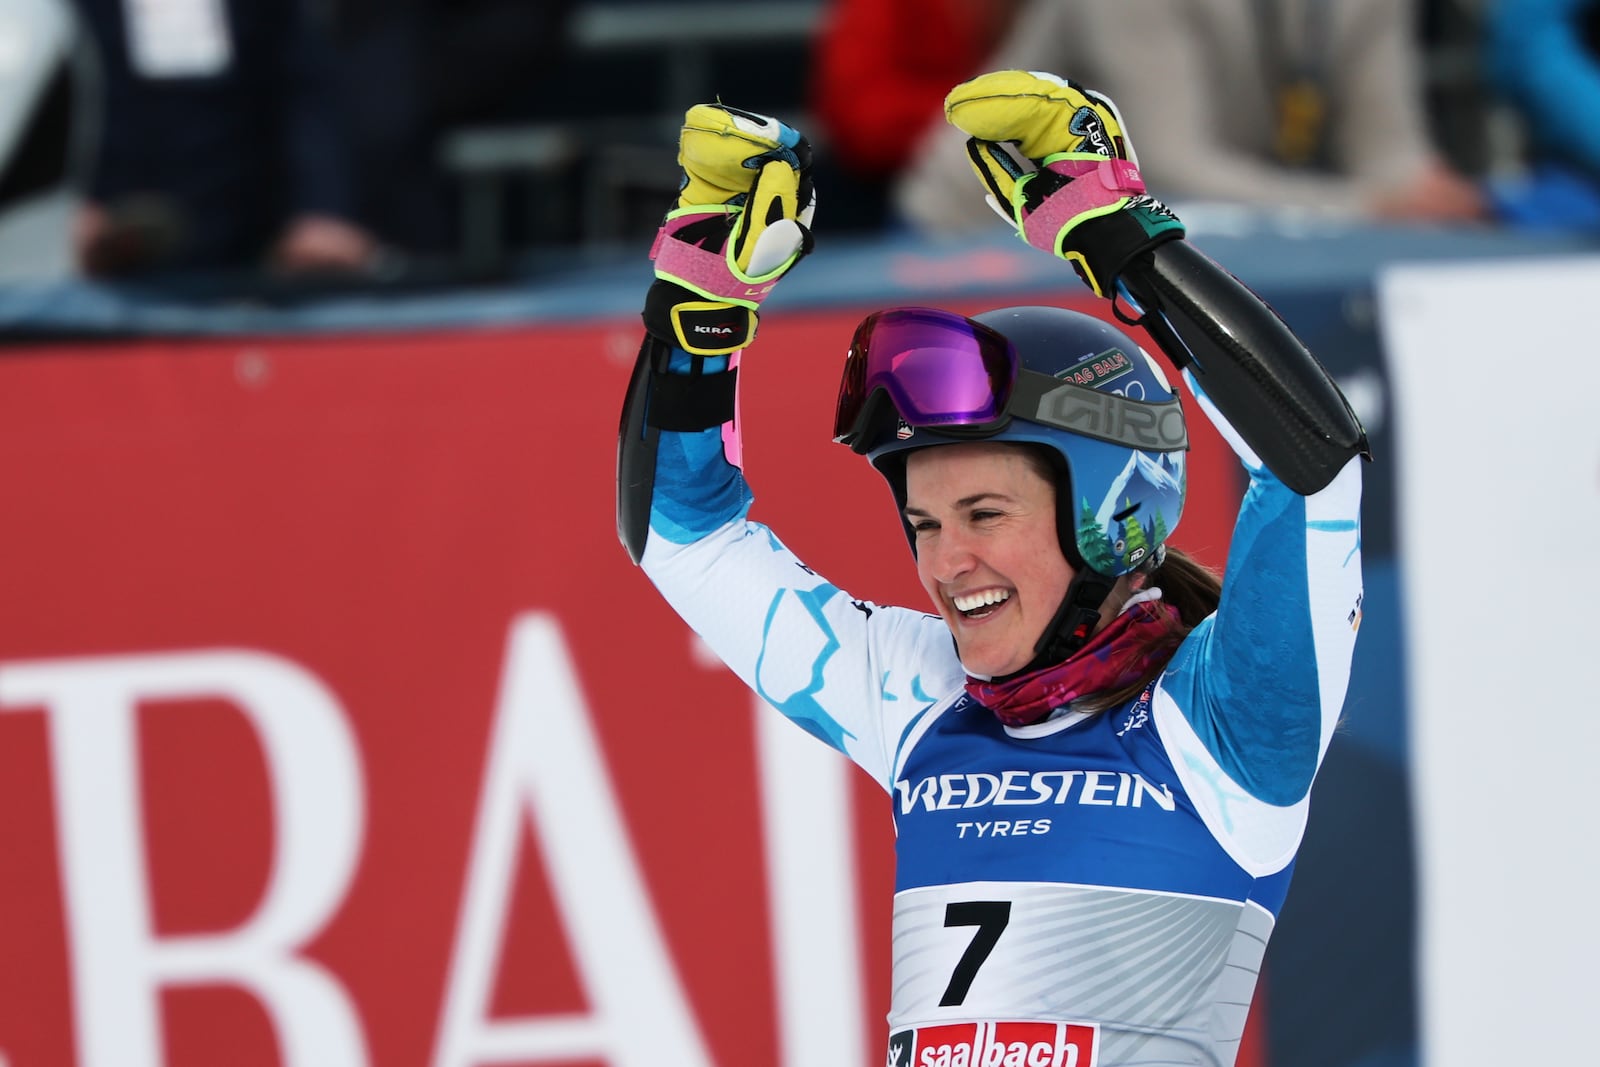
pixel 697 489
pixel 1262 681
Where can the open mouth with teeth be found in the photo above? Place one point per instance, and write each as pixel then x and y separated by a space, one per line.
pixel 980 604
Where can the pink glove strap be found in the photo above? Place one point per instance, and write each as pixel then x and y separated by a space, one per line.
pixel 1096 183
pixel 705 272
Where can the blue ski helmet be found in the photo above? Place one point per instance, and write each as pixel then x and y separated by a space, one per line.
pixel 1104 411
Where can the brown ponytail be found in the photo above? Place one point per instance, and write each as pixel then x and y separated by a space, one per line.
pixel 1191 587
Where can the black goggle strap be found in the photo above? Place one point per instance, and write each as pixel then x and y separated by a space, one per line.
pixel 1151 426
pixel 860 434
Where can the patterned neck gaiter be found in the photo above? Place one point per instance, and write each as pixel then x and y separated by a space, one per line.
pixel 1120 653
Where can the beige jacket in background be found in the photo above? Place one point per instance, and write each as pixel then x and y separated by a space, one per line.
pixel 1192 87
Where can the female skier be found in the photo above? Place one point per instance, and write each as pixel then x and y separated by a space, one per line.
pixel 1098 756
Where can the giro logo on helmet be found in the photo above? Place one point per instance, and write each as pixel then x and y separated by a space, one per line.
pixel 725 331
pixel 1109 417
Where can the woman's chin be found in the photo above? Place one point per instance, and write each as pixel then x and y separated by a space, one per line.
pixel 992 663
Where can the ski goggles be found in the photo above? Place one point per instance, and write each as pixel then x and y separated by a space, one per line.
pixel 943 371
pixel 937 369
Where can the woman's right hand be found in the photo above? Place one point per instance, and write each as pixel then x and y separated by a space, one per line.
pixel 741 222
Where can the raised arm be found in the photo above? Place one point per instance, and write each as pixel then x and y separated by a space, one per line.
pixel 740 224
pixel 847 672
pixel 1059 165
pixel 1259 686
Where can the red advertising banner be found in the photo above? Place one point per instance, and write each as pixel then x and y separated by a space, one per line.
pixel 337 729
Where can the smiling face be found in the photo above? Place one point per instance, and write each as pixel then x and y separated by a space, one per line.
pixel 987 552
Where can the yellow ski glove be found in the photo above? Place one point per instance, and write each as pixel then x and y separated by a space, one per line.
pixel 1072 185
pixel 741 222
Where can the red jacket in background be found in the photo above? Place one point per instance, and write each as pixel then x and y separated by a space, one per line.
pixel 883 67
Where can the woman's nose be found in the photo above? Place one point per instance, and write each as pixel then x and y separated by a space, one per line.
pixel 952 557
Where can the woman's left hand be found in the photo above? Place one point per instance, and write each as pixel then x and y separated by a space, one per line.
pixel 1075 191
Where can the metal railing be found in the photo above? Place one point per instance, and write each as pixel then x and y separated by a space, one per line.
pixel 618 155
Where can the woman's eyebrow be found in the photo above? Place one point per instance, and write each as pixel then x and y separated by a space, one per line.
pixel 964 502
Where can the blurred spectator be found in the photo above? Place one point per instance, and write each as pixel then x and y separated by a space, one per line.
pixel 41 121
pixel 1544 58
pixel 219 148
pixel 411 71
pixel 880 69
pixel 1301 104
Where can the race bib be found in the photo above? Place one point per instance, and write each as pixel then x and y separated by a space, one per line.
pixel 995 1044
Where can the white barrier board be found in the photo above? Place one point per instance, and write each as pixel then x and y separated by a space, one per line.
pixel 1495 373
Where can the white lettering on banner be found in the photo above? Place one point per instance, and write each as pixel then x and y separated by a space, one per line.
pixel 807 827
pixel 808 831
pixel 119 965
pixel 544 762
